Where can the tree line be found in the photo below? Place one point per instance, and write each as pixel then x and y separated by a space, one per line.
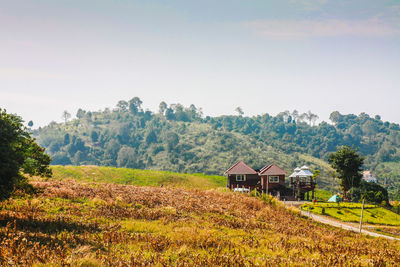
pixel 181 138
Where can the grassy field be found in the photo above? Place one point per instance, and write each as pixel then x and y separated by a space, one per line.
pixel 136 177
pixel 99 224
pixel 350 212
pixel 322 195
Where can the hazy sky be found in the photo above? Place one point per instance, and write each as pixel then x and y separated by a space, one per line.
pixel 265 56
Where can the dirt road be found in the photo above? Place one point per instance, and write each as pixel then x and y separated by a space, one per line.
pixel 342 225
pixel 333 222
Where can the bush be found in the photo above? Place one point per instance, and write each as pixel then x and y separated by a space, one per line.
pixel 372 193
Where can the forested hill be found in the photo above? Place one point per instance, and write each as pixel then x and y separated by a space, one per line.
pixel 177 138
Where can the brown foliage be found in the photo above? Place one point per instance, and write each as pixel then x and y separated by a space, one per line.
pixel 205 228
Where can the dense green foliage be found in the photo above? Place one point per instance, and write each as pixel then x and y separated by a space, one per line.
pixel 371 192
pixel 18 153
pixel 181 139
pixel 347 163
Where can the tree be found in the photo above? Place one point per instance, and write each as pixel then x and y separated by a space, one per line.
pixel 30 123
pixel 80 113
pixel 66 116
pixel 122 105
pixel 19 154
pixel 239 110
pixel 347 163
pixel 371 192
pixel 316 174
pixel 162 107
pixel 335 117
pixel 94 136
pixel 135 105
pixel 310 117
pixel 295 115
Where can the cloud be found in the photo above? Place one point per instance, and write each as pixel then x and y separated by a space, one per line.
pixel 294 29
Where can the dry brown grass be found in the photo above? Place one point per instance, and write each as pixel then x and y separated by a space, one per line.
pixel 104 224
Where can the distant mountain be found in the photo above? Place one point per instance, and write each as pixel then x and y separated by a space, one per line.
pixel 181 139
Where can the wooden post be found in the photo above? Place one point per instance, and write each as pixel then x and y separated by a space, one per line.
pixel 362 211
pixel 262 183
pixel 267 183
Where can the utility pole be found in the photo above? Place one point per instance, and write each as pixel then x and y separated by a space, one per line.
pixel 362 212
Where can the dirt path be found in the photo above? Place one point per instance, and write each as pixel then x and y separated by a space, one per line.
pixel 342 225
pixel 334 222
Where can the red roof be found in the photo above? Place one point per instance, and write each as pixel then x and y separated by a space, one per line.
pixel 272 169
pixel 240 168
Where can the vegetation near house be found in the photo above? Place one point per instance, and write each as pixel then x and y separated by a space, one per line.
pixel 371 192
pixel 19 153
pixel 347 163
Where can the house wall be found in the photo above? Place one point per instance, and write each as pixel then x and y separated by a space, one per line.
pixel 266 184
pixel 252 181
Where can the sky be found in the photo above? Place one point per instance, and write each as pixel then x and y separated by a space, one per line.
pixel 264 56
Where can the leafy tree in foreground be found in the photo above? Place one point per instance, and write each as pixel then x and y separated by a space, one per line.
pixel 19 154
pixel 347 163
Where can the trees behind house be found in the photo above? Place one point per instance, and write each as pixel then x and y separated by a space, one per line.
pixel 218 137
pixel 347 163
pixel 19 153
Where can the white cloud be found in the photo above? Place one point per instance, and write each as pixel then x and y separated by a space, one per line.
pixel 292 29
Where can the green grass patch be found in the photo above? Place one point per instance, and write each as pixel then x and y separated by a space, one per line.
pixel 350 212
pixel 322 195
pixel 137 177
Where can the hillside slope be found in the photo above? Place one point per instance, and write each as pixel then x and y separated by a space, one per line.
pixel 180 139
pixel 189 147
pixel 136 177
pixel 118 225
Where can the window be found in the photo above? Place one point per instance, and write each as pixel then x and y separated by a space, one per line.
pixel 274 179
pixel 240 177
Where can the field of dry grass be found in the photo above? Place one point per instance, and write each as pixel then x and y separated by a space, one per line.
pixel 90 224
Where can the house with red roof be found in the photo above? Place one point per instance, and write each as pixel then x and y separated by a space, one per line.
pixel 240 175
pixel 269 179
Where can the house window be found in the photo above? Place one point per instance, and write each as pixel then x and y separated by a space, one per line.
pixel 274 179
pixel 240 177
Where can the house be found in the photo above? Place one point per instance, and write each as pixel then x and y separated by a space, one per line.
pixel 272 179
pixel 368 177
pixel 240 175
pixel 269 179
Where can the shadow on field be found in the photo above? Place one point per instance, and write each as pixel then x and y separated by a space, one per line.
pixel 48 225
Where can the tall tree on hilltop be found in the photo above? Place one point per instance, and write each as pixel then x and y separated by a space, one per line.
pixel 162 107
pixel 122 105
pixel 295 115
pixel 66 116
pixel 239 110
pixel 135 105
pixel 310 117
pixel 80 113
pixel 348 164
